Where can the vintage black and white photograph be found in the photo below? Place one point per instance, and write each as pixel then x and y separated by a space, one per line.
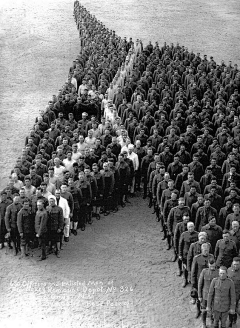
pixel 119 164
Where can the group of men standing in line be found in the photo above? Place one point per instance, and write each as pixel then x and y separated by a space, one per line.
pixel 170 125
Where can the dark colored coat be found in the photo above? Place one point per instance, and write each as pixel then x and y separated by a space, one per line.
pixel 225 252
pixel 204 282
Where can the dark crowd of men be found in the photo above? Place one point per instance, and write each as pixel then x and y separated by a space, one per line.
pixel 161 120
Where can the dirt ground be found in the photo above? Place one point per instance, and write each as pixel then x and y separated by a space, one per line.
pixel 117 273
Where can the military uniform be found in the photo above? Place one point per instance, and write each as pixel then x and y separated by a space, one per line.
pixel 25 224
pixel 3 206
pixel 11 224
pixel 221 299
pixel 200 262
pixel 204 282
pixel 55 223
pixel 234 275
pixel 41 229
pixel 175 216
pixel 186 239
pixel 225 252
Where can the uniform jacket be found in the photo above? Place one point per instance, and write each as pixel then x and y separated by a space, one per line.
pixel 214 233
pixel 230 218
pixel 41 222
pixel 204 282
pixel 195 249
pixel 25 221
pixel 11 215
pixel 186 239
pixel 175 216
pixel 235 236
pixel 55 218
pixel 225 252
pixel 222 295
pixel 202 216
pixel 200 262
pixel 180 228
pixel 235 277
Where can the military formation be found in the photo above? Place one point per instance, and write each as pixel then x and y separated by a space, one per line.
pixel 156 120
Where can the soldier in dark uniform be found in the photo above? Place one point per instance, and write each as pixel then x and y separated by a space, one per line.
pixel 204 213
pixel 25 224
pixel 199 263
pixel 55 224
pixel 115 196
pixel 180 228
pixel 77 197
pixel 225 250
pixel 175 216
pixel 41 227
pixel 169 204
pixel 98 202
pixel 93 183
pixel 124 173
pixel 187 238
pixel 221 298
pixel 234 274
pixel 3 206
pixel 204 281
pixel 144 170
pixel 108 181
pixel 11 223
pixel 86 191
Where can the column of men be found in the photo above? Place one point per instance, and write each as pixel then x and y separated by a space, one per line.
pixel 179 113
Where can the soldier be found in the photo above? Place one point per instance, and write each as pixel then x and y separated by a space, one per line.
pixel 199 263
pixel 124 173
pixel 86 191
pixel 55 224
pixel 108 181
pixel 3 206
pixel 170 203
pixel 195 249
pixel 225 250
pixel 214 232
pixel 204 213
pixel 180 228
pixel 221 298
pixel 41 227
pixel 175 216
pixel 234 274
pixel 11 223
pixel 235 234
pixel 204 281
pixel 187 238
pixel 25 225
pixel 98 202
pixel 235 216
pixel 77 196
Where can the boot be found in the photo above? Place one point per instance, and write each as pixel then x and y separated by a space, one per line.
pixel 232 319
pixel 164 232
pixel 180 272
pixel 204 319
pixel 15 250
pixel 198 313
pixel 168 242
pixel 185 278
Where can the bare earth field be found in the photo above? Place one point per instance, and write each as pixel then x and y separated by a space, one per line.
pixel 116 273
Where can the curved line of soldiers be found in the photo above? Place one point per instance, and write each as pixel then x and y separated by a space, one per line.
pixel 160 117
